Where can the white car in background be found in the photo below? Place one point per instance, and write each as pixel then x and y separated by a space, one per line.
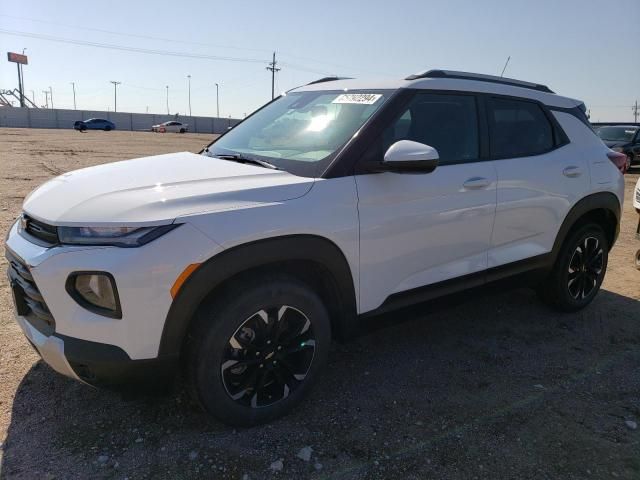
pixel 172 126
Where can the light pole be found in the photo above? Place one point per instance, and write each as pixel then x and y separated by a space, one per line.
pixel 46 98
pixel 115 94
pixel 51 96
pixel 189 80
pixel 217 102
pixel 167 99
pixel 33 96
pixel 73 84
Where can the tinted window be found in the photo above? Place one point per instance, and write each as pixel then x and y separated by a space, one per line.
pixel 617 134
pixel 449 123
pixel 518 129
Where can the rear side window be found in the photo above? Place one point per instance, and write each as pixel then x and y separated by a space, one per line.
pixel 518 129
pixel 449 123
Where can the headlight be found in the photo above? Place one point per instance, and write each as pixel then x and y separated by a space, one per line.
pixel 116 236
pixel 95 291
pixel 617 149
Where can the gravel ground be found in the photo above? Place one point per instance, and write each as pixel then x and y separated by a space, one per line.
pixel 488 384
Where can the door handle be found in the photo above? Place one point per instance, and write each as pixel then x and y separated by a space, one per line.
pixel 476 183
pixel 572 172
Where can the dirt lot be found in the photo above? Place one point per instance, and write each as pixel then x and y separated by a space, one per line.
pixel 489 384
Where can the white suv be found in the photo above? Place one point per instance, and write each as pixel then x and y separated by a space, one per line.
pixel 338 200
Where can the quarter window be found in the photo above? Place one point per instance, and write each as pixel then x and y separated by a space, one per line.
pixel 448 123
pixel 518 129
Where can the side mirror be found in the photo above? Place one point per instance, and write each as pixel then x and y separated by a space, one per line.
pixel 409 156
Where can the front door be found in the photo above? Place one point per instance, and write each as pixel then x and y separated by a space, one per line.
pixel 420 229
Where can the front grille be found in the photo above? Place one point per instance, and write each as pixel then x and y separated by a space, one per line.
pixel 38 312
pixel 47 234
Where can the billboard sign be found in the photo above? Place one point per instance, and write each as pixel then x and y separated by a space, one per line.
pixel 17 58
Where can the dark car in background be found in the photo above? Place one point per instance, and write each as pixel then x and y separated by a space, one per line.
pixel 94 124
pixel 622 138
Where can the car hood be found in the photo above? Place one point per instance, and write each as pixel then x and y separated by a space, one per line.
pixel 155 190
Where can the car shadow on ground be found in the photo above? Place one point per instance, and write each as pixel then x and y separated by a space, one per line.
pixel 487 384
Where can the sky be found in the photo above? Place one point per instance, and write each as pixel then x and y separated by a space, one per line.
pixel 585 49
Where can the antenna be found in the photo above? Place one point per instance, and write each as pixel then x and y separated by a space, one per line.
pixel 505 65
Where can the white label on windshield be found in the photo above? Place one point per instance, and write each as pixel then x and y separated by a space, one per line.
pixel 359 98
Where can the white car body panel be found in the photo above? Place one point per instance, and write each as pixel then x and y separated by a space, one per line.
pixel 419 229
pixel 328 210
pixel 155 190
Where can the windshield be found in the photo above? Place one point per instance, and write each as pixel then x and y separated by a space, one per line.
pixel 301 131
pixel 617 134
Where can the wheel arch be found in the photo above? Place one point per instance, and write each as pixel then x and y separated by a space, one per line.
pixel 317 259
pixel 602 208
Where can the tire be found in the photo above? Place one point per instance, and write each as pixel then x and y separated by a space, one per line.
pixel 182 130
pixel 576 277
pixel 107 129
pixel 238 368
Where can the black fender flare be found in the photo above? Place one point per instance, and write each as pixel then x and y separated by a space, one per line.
pixel 228 263
pixel 597 201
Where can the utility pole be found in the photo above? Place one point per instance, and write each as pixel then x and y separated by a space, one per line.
pixel 167 99
pixel 189 79
pixel 73 84
pixel 51 95
pixel 217 102
pixel 636 112
pixel 46 98
pixel 272 67
pixel 115 94
pixel 33 96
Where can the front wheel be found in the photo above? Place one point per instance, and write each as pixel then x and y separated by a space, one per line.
pixel 579 270
pixel 182 130
pixel 258 349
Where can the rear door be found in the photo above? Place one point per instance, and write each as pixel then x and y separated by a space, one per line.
pixel 539 179
pixel 419 229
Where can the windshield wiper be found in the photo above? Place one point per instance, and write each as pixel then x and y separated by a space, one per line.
pixel 236 157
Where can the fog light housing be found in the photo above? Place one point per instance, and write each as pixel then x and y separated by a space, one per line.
pixel 95 291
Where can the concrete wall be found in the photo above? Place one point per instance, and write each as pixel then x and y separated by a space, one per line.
pixel 58 118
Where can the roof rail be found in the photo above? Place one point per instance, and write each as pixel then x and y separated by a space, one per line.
pixel 328 79
pixel 481 78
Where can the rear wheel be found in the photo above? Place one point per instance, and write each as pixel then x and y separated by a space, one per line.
pixel 257 351
pixel 579 270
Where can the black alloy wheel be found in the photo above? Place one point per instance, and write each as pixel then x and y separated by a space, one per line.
pixel 586 268
pixel 268 357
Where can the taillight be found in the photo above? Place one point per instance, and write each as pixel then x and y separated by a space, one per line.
pixel 619 160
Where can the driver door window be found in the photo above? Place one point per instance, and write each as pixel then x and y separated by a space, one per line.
pixel 449 123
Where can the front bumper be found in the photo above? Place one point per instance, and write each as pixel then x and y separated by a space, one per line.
pixel 98 364
pixel 50 348
pixel 95 349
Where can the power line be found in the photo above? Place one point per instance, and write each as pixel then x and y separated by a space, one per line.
pixel 129 49
pixel 134 35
